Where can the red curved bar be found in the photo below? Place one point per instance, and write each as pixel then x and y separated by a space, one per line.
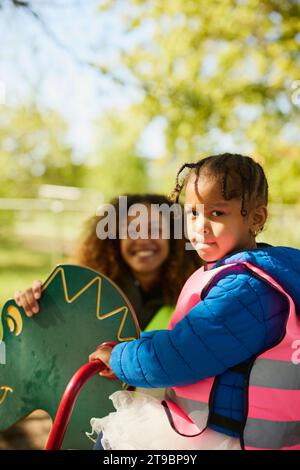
pixel 68 401
pixel 69 397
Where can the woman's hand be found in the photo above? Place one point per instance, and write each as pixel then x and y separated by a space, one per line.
pixel 28 298
pixel 103 353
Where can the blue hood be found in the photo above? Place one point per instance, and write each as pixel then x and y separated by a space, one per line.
pixel 281 262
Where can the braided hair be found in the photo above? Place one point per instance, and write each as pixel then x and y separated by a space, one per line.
pixel 240 177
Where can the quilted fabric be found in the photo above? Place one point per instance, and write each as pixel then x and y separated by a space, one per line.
pixel 240 316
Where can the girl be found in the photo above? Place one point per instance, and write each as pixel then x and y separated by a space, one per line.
pixel 227 355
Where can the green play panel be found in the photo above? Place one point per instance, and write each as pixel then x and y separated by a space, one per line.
pixel 79 310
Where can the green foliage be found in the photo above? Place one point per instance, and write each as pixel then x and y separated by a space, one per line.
pixel 117 168
pixel 33 150
pixel 224 76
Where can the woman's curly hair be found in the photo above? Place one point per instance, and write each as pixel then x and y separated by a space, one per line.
pixel 105 255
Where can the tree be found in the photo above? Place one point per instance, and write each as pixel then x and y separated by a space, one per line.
pixel 117 167
pixel 223 75
pixel 33 150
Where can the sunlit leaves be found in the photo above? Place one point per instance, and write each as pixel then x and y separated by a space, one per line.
pixel 222 68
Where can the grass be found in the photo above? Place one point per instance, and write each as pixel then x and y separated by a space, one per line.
pixel 32 246
pixel 19 266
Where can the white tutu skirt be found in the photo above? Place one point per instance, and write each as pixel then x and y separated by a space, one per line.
pixel 141 423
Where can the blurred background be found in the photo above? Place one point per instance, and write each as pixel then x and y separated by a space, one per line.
pixel 99 98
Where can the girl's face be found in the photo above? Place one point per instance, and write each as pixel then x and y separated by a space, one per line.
pixel 218 228
pixel 145 255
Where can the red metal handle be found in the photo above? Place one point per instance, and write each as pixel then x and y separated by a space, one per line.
pixel 68 400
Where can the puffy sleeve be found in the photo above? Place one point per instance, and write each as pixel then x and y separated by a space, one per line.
pixel 240 316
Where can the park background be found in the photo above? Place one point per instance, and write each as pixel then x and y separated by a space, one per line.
pixel 100 98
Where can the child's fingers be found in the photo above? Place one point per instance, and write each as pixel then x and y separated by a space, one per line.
pixel 95 355
pixel 37 289
pixel 103 354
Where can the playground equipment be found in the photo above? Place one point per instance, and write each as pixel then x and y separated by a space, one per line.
pixel 79 310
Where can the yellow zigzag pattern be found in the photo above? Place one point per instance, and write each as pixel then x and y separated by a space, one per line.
pixel 97 279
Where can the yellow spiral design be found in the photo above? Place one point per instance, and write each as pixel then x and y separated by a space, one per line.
pixel 14 320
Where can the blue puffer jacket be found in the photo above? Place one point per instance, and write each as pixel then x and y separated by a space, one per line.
pixel 240 317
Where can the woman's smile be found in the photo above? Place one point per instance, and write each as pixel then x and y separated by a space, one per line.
pixel 143 253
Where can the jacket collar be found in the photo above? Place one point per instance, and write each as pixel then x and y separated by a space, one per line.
pixel 215 264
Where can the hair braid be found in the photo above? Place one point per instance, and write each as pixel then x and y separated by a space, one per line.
pixel 247 178
pixel 174 196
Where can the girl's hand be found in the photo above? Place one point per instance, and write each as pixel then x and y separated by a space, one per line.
pixel 103 353
pixel 28 298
